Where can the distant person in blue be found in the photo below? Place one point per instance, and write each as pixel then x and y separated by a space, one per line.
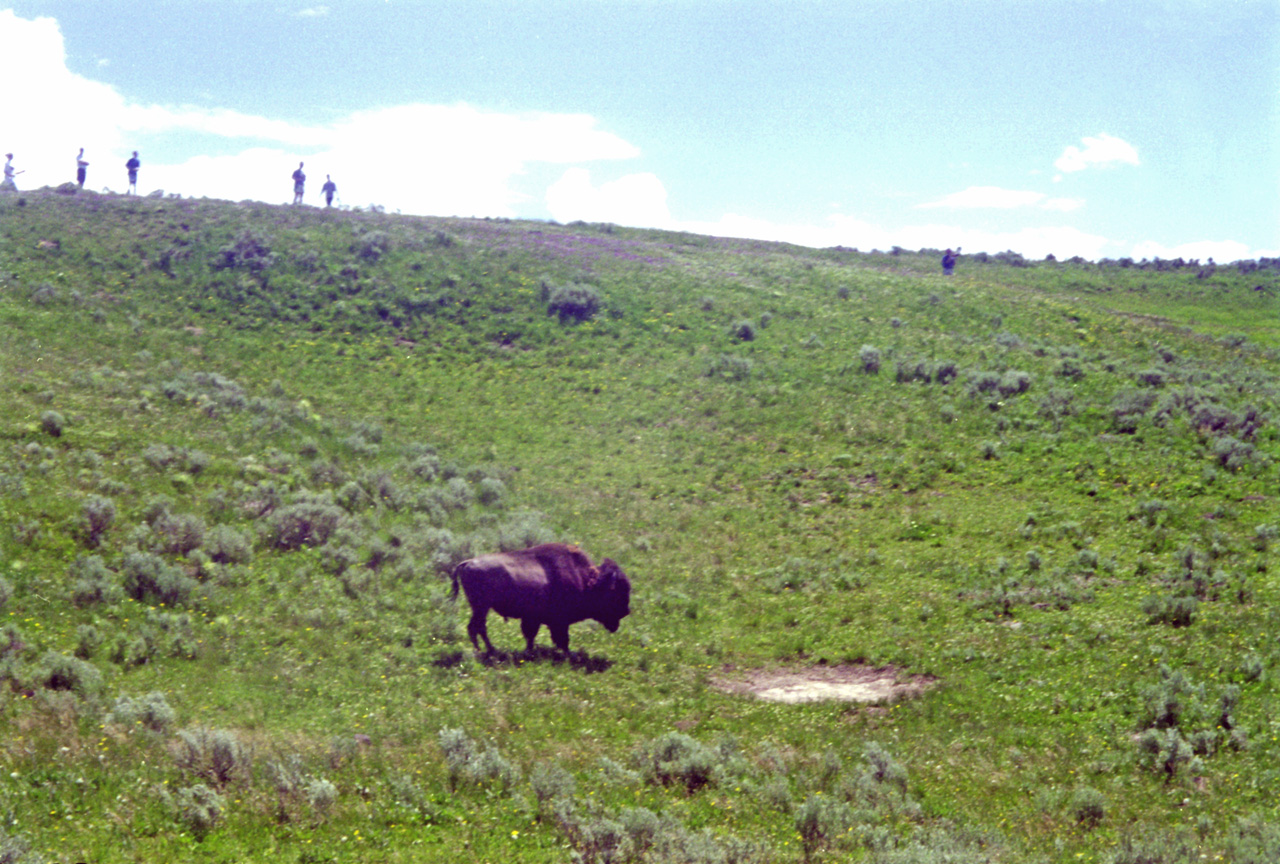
pixel 949 261
pixel 81 167
pixel 299 184
pixel 9 185
pixel 132 167
pixel 329 188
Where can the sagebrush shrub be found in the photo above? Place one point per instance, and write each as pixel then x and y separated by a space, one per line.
pixel 98 514
pixel 321 795
pixel 52 423
pixel 179 534
pixel 309 521
pixel 1165 751
pixel 551 782
pixel 93 582
pixel 88 641
pixel 148 578
pixel 730 367
pixel 678 759
pixel 215 755
pixel 60 672
pixel 372 245
pixel 226 545
pixel 1171 610
pixel 467 763
pixel 744 331
pixel 199 808
pixel 573 302
pixel 819 820
pixel 1014 382
pixel 249 250
pixel 150 712
pixel 1088 806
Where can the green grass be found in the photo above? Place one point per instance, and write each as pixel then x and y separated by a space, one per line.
pixel 218 371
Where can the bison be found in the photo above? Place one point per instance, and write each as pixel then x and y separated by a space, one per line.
pixel 552 584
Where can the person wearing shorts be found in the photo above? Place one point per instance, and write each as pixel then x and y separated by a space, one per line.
pixel 299 184
pixel 133 165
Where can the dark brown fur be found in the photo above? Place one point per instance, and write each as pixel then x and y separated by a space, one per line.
pixel 552 584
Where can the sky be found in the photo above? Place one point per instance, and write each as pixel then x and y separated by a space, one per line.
pixel 1098 128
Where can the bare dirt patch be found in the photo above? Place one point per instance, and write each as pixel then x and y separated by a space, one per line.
pixel 849 683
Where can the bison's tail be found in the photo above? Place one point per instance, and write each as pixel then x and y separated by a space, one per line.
pixel 454 595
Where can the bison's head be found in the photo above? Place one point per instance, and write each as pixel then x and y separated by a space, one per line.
pixel 614 595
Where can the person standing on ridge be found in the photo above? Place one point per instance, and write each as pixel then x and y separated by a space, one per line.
pixel 81 167
pixel 133 165
pixel 299 183
pixel 329 188
pixel 8 185
pixel 949 261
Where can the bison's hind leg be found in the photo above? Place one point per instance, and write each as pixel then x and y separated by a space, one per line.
pixel 476 627
pixel 529 627
pixel 560 636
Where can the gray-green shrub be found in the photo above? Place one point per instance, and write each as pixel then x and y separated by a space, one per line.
pixel 52 423
pixel 678 759
pixel 93 582
pixel 60 672
pixel 467 763
pixel 213 755
pixel 151 711
pixel 148 578
pixel 573 302
pixel 1088 807
pixel 309 521
pixel 98 514
pixel 226 545
pixel 869 357
pixel 199 809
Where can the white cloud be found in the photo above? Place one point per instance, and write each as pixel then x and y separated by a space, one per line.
pixel 442 159
pixel 636 199
pixel 1101 150
pixel 995 198
pixel 976 197
pixel 1062 205
pixel 451 160
pixel 312 12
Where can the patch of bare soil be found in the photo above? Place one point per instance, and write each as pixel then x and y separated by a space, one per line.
pixel 848 683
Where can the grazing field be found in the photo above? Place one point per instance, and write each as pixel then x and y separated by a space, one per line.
pixel 243 446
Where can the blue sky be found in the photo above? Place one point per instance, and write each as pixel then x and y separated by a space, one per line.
pixel 1096 128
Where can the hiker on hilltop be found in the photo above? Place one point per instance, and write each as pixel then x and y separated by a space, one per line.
pixel 329 188
pixel 299 183
pixel 81 167
pixel 133 165
pixel 949 261
pixel 8 185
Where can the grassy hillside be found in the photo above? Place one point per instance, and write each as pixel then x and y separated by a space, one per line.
pixel 243 446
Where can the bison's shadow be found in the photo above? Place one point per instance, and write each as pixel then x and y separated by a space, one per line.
pixel 580 661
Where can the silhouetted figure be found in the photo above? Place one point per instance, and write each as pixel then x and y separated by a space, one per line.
pixel 299 183
pixel 949 261
pixel 329 188
pixel 81 167
pixel 132 166
pixel 8 185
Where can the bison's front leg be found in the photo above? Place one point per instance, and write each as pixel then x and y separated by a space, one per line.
pixel 476 627
pixel 529 627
